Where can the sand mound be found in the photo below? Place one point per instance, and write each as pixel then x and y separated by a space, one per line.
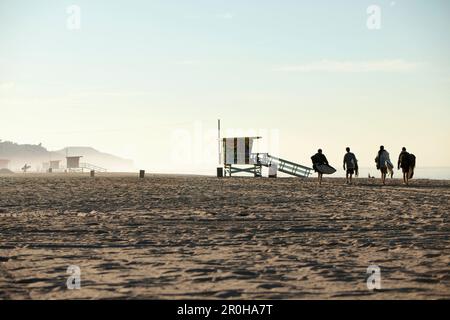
pixel 5 171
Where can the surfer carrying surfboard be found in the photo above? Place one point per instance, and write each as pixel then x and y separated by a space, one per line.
pixel 406 161
pixel 382 160
pixel 319 160
pixel 350 165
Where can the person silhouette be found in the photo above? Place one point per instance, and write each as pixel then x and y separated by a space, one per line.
pixel 404 163
pixel 381 161
pixel 319 159
pixel 350 165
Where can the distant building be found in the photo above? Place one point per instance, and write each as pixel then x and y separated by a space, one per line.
pixel 55 164
pixel 4 164
pixel 45 166
pixel 73 162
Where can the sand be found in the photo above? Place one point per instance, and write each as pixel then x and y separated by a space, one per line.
pixel 187 237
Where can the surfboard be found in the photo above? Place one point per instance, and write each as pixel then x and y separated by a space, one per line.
pixel 411 173
pixel 412 166
pixel 390 167
pixel 325 169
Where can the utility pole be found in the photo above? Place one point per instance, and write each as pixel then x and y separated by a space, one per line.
pixel 218 141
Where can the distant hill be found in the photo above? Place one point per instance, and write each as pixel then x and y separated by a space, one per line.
pixel 11 150
pixel 101 159
pixel 36 155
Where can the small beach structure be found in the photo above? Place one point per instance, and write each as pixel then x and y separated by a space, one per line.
pixel 51 166
pixel 4 163
pixel 45 166
pixel 55 164
pixel 73 162
pixel 239 158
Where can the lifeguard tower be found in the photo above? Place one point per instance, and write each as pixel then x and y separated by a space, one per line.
pixel 237 156
pixel 45 166
pixel 55 164
pixel 73 163
pixel 4 164
pixel 51 166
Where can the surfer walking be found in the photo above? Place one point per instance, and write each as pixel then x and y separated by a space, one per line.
pixel 350 165
pixel 382 161
pixel 404 162
pixel 317 160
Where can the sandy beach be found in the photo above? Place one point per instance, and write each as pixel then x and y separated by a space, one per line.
pixel 189 237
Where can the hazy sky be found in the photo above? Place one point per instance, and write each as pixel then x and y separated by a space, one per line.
pixel 148 79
